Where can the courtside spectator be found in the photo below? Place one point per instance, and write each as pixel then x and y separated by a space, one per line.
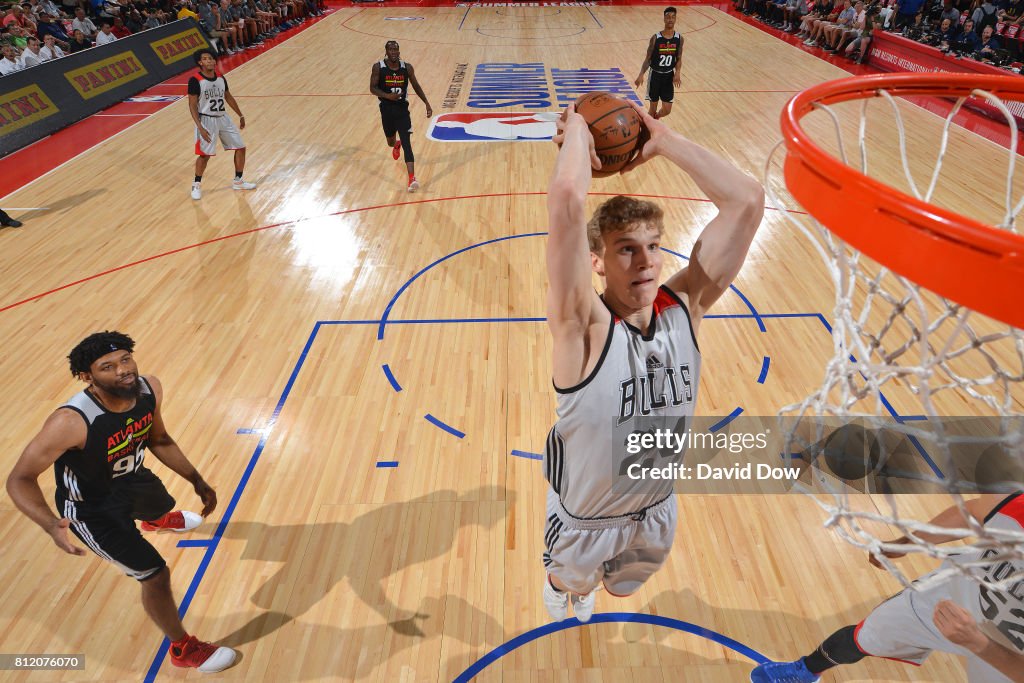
pixel 185 10
pixel 858 49
pixel 134 22
pixel 907 11
pixel 31 57
pixel 9 62
pixel 985 15
pixel 106 34
pixel 948 31
pixel 987 44
pixel 84 24
pixel 17 17
pixel 949 12
pixel 50 49
pixel 49 26
pixel 119 29
pixel 968 41
pixel 78 42
pixel 152 18
pixel 211 26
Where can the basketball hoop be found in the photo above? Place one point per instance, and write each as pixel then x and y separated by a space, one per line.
pixel 910 277
pixel 976 265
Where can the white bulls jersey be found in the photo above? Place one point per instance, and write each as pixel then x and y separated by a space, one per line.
pixel 211 92
pixel 1000 614
pixel 636 377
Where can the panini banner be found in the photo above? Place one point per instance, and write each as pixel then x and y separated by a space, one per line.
pixel 39 101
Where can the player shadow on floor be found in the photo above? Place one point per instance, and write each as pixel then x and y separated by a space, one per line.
pixel 363 551
pixel 353 653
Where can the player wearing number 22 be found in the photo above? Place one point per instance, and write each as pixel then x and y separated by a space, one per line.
pixel 627 353
pixel 96 444
pixel 958 608
pixel 207 95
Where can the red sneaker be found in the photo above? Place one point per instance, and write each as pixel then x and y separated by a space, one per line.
pixel 179 520
pixel 396 150
pixel 208 658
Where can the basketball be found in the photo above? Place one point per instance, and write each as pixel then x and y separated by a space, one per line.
pixel 851 453
pixel 616 127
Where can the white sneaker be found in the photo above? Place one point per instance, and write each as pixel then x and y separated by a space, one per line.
pixel 243 185
pixel 583 606
pixel 556 602
pixel 197 193
pixel 414 185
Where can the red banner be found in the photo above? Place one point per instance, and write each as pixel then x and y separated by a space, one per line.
pixel 891 52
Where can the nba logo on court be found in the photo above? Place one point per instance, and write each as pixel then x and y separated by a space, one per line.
pixel 493 127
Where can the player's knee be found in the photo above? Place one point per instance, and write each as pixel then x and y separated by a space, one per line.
pixel 841 647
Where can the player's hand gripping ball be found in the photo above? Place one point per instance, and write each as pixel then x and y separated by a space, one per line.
pixel 617 128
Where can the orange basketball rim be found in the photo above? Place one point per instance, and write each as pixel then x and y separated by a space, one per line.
pixel 973 264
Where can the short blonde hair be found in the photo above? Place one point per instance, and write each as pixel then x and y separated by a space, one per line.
pixel 621 214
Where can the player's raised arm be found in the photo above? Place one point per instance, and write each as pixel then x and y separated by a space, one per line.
pixel 722 246
pixel 62 431
pixel 571 296
pixel 419 91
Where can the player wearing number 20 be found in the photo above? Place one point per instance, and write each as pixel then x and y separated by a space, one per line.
pixel 96 444
pixel 207 96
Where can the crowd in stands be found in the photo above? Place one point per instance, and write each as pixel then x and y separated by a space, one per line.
pixel 987 30
pixel 37 31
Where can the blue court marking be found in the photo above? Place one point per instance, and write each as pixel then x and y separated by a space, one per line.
pixel 248 430
pixel 464 18
pixel 527 454
pixel 607 618
pixel 599 24
pixel 195 543
pixel 764 369
pixel 391 378
pixel 387 463
pixel 726 420
pixel 204 564
pixel 401 290
pixel 896 416
pixel 437 423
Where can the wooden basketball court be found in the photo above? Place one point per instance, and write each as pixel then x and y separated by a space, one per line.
pixel 363 373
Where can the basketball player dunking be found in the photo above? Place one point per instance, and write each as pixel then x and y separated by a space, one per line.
pixel 663 60
pixel 390 81
pixel 631 350
pixel 95 444
pixel 955 613
pixel 207 95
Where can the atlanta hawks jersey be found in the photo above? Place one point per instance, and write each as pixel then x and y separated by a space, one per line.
pixel 637 376
pixel 114 447
pixel 211 92
pixel 665 53
pixel 394 81
pixel 999 613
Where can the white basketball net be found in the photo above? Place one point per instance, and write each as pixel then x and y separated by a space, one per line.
pixel 891 338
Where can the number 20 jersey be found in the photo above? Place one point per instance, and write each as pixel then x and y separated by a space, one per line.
pixel 115 446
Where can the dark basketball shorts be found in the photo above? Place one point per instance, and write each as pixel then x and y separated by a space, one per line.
pixel 395 117
pixel 108 528
pixel 659 86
